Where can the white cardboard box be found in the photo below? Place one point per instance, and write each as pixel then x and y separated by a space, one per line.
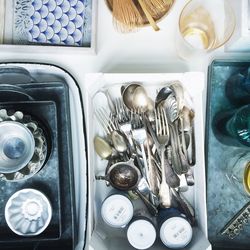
pixel 102 237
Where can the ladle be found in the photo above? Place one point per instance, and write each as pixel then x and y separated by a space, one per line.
pixel 125 176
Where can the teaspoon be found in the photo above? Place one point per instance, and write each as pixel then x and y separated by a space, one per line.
pixel 102 147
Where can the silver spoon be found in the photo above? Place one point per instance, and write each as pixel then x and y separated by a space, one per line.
pixel 142 103
pixel 162 95
pixel 127 95
pixel 119 141
pixel 102 147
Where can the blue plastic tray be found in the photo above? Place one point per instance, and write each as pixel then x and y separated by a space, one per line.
pixel 223 200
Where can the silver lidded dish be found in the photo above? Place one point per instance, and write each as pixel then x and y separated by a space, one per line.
pixel 39 148
pixel 17 146
pixel 28 212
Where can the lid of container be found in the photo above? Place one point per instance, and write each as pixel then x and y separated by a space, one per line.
pixel 117 210
pixel 141 234
pixel 176 232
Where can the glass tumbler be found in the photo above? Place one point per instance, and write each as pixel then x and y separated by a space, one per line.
pixel 238 173
pixel 204 26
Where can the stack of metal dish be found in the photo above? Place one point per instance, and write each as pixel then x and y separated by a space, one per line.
pixel 23 146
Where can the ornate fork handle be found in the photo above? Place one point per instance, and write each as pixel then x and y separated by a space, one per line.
pixel 164 191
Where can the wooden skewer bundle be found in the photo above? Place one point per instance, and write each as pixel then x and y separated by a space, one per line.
pixel 128 15
pixel 155 7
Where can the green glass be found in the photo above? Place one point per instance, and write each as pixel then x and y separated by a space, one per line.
pixel 238 126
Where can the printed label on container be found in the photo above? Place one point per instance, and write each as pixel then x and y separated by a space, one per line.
pixel 117 211
pixel 176 232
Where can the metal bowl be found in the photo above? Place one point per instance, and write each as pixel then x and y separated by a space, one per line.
pixel 28 212
pixel 17 146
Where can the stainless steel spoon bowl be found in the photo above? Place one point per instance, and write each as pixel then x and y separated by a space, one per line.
pixel 140 99
pixel 162 95
pixel 128 95
pixel 102 147
pixel 119 141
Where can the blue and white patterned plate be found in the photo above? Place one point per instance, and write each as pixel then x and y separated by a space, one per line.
pixel 59 22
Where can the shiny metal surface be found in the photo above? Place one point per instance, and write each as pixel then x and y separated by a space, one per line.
pixel 28 212
pixel 17 146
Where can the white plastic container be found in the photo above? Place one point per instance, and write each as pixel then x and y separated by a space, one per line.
pixel 117 210
pixel 102 237
pixel 141 233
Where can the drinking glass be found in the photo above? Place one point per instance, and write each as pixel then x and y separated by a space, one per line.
pixel 238 173
pixel 203 27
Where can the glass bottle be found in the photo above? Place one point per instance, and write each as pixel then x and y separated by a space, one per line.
pixel 238 88
pixel 238 126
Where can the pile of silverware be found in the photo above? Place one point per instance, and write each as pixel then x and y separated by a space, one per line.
pixel 149 144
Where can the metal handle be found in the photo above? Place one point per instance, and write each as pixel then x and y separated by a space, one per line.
pixel 151 208
pixel 102 178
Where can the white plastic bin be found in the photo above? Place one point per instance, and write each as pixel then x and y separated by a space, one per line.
pixel 101 236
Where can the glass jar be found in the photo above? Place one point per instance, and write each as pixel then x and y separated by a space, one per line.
pixel 175 230
pixel 238 88
pixel 238 173
pixel 117 210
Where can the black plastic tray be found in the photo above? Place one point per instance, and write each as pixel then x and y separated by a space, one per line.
pixel 51 107
pixel 223 200
pixel 46 180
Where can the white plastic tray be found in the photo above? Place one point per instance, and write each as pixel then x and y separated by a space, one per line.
pixel 102 237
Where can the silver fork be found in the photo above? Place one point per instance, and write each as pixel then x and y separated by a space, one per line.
pixel 162 133
pixel 139 134
pixel 122 116
pixel 105 120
